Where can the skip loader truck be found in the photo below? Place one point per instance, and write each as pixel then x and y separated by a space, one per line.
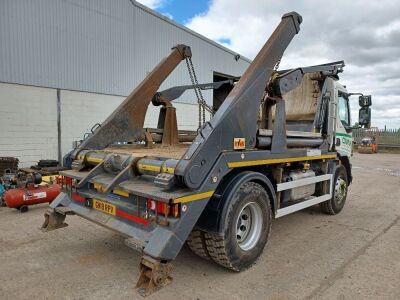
pixel 279 142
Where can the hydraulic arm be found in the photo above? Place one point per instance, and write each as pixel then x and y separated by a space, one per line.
pixel 126 122
pixel 237 117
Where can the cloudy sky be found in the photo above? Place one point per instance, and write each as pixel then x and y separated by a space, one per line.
pixel 365 34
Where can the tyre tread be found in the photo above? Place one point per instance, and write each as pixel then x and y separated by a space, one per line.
pixel 212 246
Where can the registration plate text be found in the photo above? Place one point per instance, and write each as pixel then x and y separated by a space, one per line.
pixel 104 207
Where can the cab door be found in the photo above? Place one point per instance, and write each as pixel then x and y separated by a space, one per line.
pixel 343 135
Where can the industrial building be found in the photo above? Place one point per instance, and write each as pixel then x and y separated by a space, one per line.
pixel 66 65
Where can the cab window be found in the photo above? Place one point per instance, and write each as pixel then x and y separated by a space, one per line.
pixel 344 112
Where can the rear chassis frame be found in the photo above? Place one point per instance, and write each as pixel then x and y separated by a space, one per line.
pixel 159 237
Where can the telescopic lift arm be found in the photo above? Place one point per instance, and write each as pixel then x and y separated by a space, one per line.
pixel 237 116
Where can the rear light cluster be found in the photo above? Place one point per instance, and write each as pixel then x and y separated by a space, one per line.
pixel 67 183
pixel 68 180
pixel 163 208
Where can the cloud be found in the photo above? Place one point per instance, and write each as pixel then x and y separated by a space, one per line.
pixel 168 15
pixel 156 4
pixel 364 33
pixel 153 4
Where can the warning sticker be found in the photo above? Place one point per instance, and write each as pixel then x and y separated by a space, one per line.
pixel 32 196
pixel 239 143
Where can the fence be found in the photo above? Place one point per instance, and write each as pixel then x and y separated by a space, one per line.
pixel 389 137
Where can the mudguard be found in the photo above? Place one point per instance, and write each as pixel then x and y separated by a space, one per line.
pixel 216 209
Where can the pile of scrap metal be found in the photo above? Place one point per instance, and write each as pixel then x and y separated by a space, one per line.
pixel 8 167
pixel 46 167
pixel 8 163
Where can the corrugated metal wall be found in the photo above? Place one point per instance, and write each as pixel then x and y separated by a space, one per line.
pixel 100 46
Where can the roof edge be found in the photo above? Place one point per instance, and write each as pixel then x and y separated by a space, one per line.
pixel 188 30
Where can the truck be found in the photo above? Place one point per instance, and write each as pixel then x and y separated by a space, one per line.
pixel 280 141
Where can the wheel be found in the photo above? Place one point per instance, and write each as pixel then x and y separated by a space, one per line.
pixel 23 208
pixel 336 203
pixel 246 228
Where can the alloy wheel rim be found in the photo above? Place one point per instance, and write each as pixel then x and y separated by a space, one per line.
pixel 340 190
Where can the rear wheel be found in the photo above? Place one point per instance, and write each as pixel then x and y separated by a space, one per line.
pixel 340 186
pixel 246 228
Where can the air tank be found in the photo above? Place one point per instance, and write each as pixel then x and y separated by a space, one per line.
pixel 21 198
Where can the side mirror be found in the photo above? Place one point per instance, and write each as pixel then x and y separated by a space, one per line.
pixel 365 101
pixel 364 117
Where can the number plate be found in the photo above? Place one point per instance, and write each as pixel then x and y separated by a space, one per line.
pixel 104 207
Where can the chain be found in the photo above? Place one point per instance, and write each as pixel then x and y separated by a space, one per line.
pixel 203 106
pixel 203 102
pixel 277 65
pixel 195 88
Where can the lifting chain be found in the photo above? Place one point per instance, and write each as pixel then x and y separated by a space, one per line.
pixel 277 65
pixel 203 106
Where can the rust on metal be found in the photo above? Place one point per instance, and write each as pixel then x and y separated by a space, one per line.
pixel 154 274
pixel 301 102
pixel 149 139
pixel 170 134
pixel 53 220
pixel 167 122
pixel 158 150
pixel 126 122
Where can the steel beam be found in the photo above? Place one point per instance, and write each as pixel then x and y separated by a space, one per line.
pixel 126 122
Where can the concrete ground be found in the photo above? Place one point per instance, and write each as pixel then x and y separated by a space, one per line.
pixel 354 255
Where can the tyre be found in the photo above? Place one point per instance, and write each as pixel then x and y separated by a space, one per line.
pixel 23 208
pixel 246 229
pixel 340 187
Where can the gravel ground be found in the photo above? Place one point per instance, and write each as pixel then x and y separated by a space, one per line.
pixel 354 255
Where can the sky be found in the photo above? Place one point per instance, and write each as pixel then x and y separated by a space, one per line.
pixel 363 33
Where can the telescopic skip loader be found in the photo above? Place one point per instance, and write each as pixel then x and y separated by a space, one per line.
pixel 279 142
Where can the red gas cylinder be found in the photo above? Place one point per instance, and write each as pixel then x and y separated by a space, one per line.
pixel 30 195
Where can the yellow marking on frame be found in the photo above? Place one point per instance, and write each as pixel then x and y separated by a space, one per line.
pixel 194 197
pixel 98 186
pixel 236 164
pixel 168 170
pixel 94 159
pixel 121 192
pixel 149 168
